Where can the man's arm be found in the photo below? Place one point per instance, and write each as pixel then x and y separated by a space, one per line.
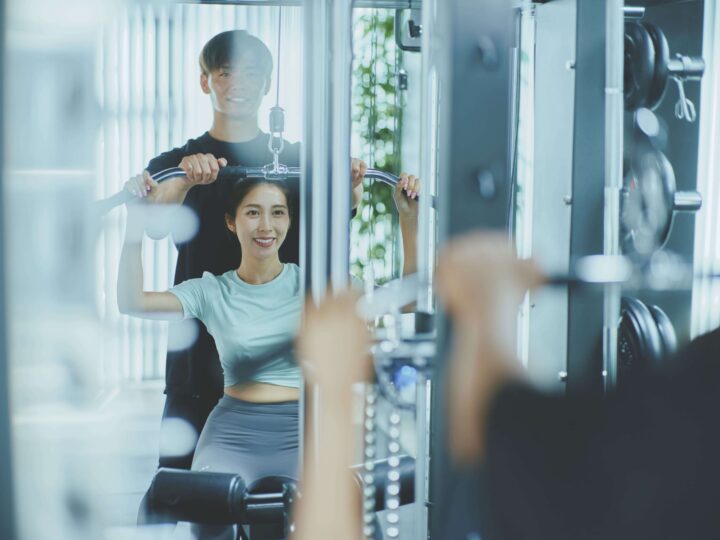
pixel 200 169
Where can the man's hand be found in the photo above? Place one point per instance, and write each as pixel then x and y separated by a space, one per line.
pixel 481 282
pixel 202 168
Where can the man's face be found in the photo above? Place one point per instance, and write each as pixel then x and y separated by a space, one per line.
pixel 237 89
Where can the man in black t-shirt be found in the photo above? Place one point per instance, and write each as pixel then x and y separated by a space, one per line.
pixel 236 70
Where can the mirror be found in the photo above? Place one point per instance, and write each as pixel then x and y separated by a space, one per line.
pixel 139 92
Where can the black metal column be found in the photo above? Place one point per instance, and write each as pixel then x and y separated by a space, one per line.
pixel 473 191
pixel 585 314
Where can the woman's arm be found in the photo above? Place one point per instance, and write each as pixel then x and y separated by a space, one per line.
pixel 406 194
pixel 132 299
pixel 333 348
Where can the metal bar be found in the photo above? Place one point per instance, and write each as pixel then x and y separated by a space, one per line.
pixel 585 321
pixel 380 4
pixel 633 12
pixel 422 440
pixel 318 128
pixel 687 67
pixel 429 105
pixel 687 201
pixel 549 199
pixel 614 110
pixel 7 499
pixel 341 117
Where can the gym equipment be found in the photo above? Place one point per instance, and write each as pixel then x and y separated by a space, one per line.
pixel 665 271
pixel 274 171
pixel 646 336
pixel 649 66
pixel 405 480
pixel 224 498
pixel 649 200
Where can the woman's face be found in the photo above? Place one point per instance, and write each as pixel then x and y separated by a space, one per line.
pixel 261 221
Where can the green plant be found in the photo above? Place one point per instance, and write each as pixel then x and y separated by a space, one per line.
pixel 376 125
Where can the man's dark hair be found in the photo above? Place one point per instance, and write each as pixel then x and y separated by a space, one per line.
pixel 227 47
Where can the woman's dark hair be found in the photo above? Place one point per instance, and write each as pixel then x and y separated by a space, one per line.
pixel 227 47
pixel 242 187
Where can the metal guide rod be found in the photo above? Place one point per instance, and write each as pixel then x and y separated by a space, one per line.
pixel 428 152
pixel 614 109
pixel 429 103
pixel 339 182
pixel 377 4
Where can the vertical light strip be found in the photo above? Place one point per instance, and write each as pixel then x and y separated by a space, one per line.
pixel 706 293
pixel 340 177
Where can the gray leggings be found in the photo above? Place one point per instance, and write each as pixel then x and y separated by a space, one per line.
pixel 252 439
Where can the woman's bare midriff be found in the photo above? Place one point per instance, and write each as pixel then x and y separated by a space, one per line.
pixel 263 393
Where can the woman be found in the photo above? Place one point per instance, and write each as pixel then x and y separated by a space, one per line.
pixel 250 312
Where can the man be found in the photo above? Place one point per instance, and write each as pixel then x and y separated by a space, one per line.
pixel 235 73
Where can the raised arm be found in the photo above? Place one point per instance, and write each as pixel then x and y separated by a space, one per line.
pixel 333 348
pixel 406 194
pixel 132 299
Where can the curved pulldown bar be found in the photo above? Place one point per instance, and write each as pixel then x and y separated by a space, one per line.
pixel 269 172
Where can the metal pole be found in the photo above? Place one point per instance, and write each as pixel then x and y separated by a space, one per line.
pixel 325 182
pixel 7 499
pixel 614 65
pixel 341 65
pixel 422 440
pixel 429 105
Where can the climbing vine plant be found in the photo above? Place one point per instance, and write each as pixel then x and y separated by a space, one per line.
pixel 376 120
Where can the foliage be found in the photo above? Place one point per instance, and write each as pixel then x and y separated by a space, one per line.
pixel 376 121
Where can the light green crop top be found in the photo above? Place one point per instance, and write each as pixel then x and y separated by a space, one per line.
pixel 248 322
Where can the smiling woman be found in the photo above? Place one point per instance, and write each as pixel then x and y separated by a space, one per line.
pixel 258 213
pixel 251 311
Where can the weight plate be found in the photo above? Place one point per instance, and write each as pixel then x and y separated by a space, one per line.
pixel 647 202
pixel 639 65
pixel 662 57
pixel 639 344
pixel 668 337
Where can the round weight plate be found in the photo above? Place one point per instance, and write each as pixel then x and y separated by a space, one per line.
pixel 662 57
pixel 666 210
pixel 646 203
pixel 639 343
pixel 668 337
pixel 639 65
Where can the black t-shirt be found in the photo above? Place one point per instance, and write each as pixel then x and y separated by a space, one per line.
pixel 197 371
pixel 637 465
